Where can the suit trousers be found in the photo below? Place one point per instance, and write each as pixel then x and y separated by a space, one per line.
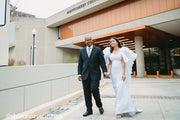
pixel 91 87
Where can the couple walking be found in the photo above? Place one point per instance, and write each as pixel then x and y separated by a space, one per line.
pixel 119 60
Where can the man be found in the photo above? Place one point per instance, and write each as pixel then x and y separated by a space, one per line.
pixel 90 60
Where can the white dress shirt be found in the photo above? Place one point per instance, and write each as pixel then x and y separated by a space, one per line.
pixel 91 47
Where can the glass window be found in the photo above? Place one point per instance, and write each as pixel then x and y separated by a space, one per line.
pixel 152 60
pixel 23 15
pixel 12 13
pixel 28 16
pixel 175 58
pixel 59 32
pixel 17 14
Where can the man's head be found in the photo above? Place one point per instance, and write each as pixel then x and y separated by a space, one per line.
pixel 88 41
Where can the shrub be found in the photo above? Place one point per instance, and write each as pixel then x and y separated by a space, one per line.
pixel 21 63
pixel 11 61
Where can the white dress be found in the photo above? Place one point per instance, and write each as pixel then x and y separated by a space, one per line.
pixel 124 103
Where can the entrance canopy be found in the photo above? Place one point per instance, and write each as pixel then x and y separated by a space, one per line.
pixel 151 38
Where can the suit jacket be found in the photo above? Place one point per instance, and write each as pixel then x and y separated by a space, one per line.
pixel 91 65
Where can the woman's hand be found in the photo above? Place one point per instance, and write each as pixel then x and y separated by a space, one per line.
pixel 123 77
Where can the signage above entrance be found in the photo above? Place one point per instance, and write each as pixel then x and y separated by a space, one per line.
pixel 81 6
pixel 3 5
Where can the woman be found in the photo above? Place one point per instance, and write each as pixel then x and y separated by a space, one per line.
pixel 120 64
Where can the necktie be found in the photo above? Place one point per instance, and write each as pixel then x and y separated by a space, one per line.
pixel 89 51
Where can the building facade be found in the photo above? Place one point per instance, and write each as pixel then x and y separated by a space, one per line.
pixel 149 27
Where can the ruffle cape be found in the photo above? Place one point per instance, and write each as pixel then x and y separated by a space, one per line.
pixel 128 55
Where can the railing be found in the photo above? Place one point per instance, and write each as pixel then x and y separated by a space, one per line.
pixel 157 75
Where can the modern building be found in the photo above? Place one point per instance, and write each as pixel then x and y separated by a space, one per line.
pixel 14 12
pixel 20 25
pixel 149 27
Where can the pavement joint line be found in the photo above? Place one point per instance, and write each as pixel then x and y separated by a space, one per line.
pixel 147 97
pixel 161 110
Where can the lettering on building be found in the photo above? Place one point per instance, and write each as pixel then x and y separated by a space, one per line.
pixel 81 6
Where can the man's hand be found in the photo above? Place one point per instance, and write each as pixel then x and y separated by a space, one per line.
pixel 79 78
pixel 106 75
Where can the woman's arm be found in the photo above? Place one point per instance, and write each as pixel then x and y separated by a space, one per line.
pixel 109 67
pixel 123 69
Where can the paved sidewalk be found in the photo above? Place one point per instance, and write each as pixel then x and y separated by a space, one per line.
pixel 159 98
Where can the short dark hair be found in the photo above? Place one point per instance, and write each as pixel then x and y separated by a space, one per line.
pixel 87 37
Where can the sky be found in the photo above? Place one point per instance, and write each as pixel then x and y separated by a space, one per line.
pixel 43 8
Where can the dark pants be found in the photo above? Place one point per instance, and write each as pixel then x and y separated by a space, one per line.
pixel 91 86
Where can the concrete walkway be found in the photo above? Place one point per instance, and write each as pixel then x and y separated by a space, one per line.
pixel 159 98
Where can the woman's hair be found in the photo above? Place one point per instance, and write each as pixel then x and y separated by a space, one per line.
pixel 119 44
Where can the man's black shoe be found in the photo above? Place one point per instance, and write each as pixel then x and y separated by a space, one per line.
pixel 87 113
pixel 101 110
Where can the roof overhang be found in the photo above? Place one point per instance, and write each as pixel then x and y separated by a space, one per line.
pixel 85 7
pixel 151 38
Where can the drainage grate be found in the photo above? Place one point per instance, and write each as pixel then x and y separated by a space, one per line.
pixel 61 109
pixel 147 97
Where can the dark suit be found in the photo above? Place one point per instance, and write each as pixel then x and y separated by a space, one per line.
pixel 89 69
